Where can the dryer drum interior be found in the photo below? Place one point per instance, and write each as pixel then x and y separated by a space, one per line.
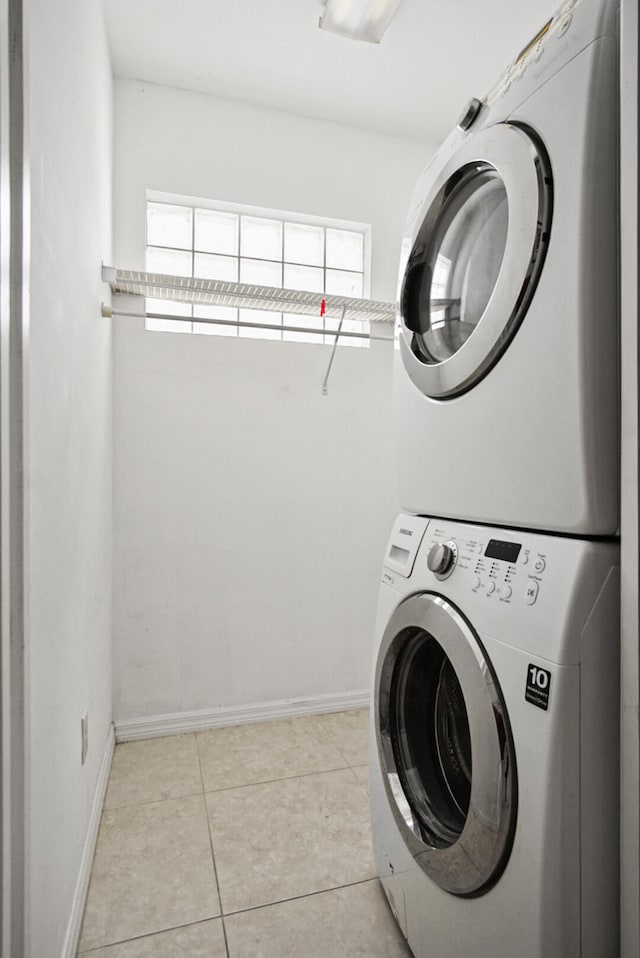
pixel 449 282
pixel 445 746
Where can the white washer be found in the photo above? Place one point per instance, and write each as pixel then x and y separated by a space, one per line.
pixel 505 378
pixel 494 741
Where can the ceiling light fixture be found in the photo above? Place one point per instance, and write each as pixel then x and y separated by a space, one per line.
pixel 359 19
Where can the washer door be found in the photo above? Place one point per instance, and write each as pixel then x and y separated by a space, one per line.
pixel 475 259
pixel 445 746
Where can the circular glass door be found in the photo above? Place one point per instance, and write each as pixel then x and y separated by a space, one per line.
pixel 445 746
pixel 475 259
pixel 431 738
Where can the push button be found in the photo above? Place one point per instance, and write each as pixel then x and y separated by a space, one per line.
pixel 564 26
pixel 506 592
pixel 491 587
pixel 532 591
pixel 539 565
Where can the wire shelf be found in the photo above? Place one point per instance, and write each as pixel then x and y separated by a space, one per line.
pixel 214 292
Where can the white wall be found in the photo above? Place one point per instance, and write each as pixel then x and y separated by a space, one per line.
pixel 250 511
pixel 68 482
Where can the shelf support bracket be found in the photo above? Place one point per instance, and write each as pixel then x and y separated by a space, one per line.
pixel 109 274
pixel 325 383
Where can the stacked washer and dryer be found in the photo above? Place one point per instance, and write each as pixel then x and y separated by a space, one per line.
pixel 494 722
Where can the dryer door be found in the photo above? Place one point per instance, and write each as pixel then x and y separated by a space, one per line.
pixel 474 258
pixel 445 746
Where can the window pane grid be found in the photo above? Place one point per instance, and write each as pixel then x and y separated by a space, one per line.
pixel 257 250
pixel 257 259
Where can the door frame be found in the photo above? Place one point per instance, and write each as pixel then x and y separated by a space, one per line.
pixel 629 471
pixel 13 312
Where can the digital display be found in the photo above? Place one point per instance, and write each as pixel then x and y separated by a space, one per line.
pixel 507 551
pixel 535 40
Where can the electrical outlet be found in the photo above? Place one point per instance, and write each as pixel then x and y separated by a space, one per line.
pixel 84 728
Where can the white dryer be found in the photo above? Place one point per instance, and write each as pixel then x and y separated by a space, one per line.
pixel 494 741
pixel 505 377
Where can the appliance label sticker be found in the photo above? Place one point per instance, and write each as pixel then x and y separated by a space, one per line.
pixel 538 686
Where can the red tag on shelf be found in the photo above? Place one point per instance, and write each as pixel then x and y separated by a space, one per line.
pixel 323 307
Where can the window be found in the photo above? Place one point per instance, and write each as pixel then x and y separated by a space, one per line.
pixel 262 247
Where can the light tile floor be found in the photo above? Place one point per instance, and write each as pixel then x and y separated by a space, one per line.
pixel 244 842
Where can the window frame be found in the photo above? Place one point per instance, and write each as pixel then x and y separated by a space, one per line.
pixel 282 216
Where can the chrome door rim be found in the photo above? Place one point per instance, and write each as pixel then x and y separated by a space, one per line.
pixel 474 862
pixel 522 165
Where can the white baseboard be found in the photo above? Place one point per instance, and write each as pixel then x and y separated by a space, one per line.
pixel 74 927
pixel 154 726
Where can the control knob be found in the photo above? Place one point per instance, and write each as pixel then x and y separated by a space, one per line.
pixel 441 558
pixel 469 114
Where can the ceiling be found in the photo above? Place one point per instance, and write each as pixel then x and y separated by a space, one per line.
pixel 435 56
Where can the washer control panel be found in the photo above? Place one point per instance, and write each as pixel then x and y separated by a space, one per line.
pixel 500 569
